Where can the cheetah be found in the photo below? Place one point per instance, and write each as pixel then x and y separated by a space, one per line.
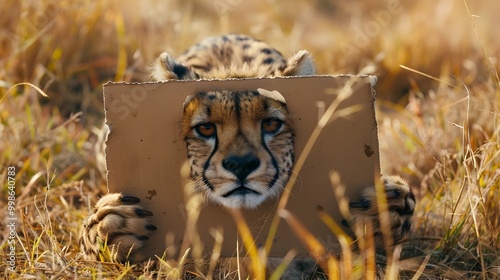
pixel 239 146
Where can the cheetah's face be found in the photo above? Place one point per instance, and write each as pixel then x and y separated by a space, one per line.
pixel 240 146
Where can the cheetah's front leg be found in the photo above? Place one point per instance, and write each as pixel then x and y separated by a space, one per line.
pixel 121 223
pixel 400 206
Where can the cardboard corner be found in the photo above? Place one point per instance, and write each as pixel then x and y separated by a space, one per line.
pixel 145 154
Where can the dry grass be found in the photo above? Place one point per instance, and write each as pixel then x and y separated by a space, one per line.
pixel 440 133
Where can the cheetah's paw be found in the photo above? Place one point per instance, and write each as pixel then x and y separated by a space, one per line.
pixel 400 206
pixel 119 222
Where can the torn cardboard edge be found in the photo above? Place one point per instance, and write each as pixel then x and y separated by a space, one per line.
pixel 145 153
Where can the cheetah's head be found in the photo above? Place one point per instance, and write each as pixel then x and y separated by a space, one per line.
pixel 239 144
pixel 299 64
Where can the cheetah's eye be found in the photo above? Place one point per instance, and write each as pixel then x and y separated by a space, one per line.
pixel 271 125
pixel 205 129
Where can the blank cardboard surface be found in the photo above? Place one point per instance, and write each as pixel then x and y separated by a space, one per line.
pixel 145 152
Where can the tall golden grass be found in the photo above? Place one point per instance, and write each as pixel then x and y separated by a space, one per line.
pixel 438 101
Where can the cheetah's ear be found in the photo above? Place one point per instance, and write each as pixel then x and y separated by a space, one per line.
pixel 300 64
pixel 166 68
pixel 272 94
pixel 188 99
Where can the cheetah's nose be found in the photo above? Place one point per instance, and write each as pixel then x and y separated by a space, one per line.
pixel 241 166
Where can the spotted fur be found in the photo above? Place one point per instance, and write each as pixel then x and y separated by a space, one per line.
pixel 231 56
pixel 400 207
pixel 239 147
pixel 240 164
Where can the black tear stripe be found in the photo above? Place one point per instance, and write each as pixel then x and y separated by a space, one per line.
pixel 207 164
pixel 273 161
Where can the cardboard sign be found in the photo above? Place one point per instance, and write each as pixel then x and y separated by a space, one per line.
pixel 145 152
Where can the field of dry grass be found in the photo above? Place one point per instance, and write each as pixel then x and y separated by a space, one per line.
pixel 437 109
